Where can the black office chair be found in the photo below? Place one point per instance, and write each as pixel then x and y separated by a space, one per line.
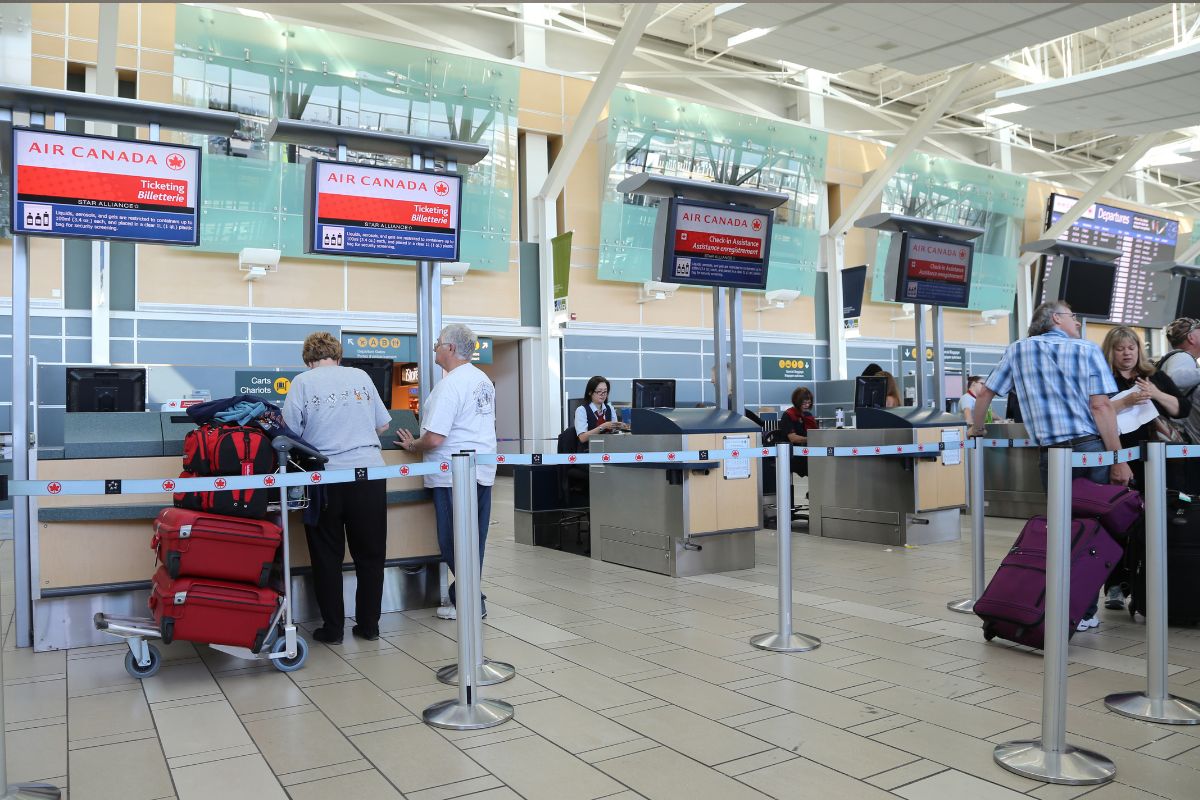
pixel 769 422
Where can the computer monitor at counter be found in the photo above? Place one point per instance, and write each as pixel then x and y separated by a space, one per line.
pixel 653 393
pixel 106 389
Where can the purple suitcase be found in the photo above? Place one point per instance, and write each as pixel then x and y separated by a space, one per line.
pixel 1013 604
pixel 1117 507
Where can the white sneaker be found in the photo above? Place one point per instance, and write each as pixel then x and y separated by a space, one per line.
pixel 1085 624
pixel 447 612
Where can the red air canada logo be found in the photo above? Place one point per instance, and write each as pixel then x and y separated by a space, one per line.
pixel 441 188
pixel 269 480
pixel 219 483
pixel 54 487
pixel 757 225
pixel 176 161
pixel 499 459
pixel 315 477
pixel 169 486
pixel 404 470
pixel 444 467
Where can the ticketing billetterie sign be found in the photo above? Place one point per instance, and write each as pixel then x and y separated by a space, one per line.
pixel 379 212
pixel 713 244
pixel 97 187
pixel 935 272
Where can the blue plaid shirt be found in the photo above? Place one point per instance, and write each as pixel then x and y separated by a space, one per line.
pixel 1054 376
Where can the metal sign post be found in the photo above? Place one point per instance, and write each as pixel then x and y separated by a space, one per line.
pixel 1155 704
pixel 1050 758
pixel 978 581
pixel 919 323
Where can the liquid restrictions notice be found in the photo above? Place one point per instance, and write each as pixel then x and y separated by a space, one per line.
pixel 936 272
pixel 713 245
pixel 97 187
pixel 382 213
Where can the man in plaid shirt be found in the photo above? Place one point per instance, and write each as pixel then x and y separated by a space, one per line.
pixel 1063 384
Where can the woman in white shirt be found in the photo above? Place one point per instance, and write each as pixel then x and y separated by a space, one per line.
pixel 966 403
pixel 596 415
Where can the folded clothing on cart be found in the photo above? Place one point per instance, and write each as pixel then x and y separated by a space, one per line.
pixel 240 411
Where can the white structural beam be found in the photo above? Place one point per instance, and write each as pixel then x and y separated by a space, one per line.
pixel 1190 253
pixel 548 371
pixel 916 134
pixel 103 80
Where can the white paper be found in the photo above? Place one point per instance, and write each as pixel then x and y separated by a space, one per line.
pixel 736 469
pixel 951 455
pixel 1130 419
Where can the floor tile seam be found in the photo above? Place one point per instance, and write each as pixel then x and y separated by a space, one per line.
pixel 29 679
pixel 189 701
pixel 34 723
pixel 91 744
pixel 323 766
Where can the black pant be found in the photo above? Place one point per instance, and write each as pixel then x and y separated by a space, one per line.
pixel 355 513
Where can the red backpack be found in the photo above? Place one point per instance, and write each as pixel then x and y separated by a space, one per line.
pixel 227 450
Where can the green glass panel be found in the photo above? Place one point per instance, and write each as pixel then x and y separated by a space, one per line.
pixel 233 35
pixel 358 57
pixel 666 136
pixel 964 194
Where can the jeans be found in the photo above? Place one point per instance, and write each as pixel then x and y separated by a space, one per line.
pixel 1093 474
pixel 443 509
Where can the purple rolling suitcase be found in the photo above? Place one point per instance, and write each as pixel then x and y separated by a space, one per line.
pixel 1013 605
pixel 1116 507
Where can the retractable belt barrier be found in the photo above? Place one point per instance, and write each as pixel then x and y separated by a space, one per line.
pixel 685 459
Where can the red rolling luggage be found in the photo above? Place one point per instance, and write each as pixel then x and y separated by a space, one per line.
pixel 212 612
pixel 1013 606
pixel 198 544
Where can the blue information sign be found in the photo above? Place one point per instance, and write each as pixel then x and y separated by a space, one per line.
pixel 97 187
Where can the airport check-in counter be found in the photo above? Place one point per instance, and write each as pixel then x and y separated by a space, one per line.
pixel 92 553
pixel 677 519
pixel 894 500
pixel 1012 484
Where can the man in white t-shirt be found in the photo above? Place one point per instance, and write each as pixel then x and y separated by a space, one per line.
pixel 459 414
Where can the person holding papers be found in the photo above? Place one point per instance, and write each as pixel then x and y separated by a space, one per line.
pixel 1147 396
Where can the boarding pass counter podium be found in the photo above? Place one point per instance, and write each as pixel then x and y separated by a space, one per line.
pixel 893 500
pixel 677 519
pixel 92 553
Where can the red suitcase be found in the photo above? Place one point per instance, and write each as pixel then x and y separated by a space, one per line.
pixel 196 543
pixel 212 612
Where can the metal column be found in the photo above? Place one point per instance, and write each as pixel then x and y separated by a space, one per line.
pixel 23 443
pixel 720 382
pixel 736 379
pixel 939 360
pixel 429 313
pixel 919 312
pixel 978 579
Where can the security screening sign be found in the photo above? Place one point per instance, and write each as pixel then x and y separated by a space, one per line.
pixel 711 244
pixel 96 187
pixel 380 212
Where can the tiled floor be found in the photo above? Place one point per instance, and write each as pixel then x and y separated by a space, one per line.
pixel 629 685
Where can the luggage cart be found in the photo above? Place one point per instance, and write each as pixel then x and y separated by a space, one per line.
pixel 282 647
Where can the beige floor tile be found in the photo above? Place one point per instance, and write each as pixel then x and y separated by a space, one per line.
pixel 571 726
pixel 198 728
pixel 705 642
pixel 366 785
pixel 415 757
pixel 924 680
pixel 783 781
pixel 354 702
pixel 706 741
pixel 24 663
pixel 961 717
pixel 108 714
pixel 588 688
pixel 628 618
pixel 721 626
pixel 606 633
pixel 803 670
pixel 537 770
pixel 470 787
pixel 882 630
pixel 37 754
pixel 261 691
pixel 713 702
pixel 904 653
pixel 553 614
pixel 33 700
pixel 1103 725
pixel 1121 791
pixel 395 623
pixel 698 665
pixel 99 673
pixel 242 778
pixel 529 629
pixel 965 753
pixel 842 712
pixel 176 682
pixel 825 744
pixel 908 773
pixel 662 774
pixel 427 646
pixel 603 659
pixel 300 741
pixel 322 663
pixel 951 785
pixel 571 600
pixel 521 655
pixel 394 670
pixel 126 771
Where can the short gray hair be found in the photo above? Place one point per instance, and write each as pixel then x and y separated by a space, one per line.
pixel 1043 317
pixel 463 339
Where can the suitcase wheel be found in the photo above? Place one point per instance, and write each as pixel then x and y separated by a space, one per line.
pixel 168 630
pixel 289 664
pixel 988 633
pixel 137 670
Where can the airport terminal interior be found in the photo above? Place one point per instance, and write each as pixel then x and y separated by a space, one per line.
pixel 700 208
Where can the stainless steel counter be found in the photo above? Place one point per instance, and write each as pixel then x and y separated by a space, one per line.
pixel 893 500
pixel 1011 482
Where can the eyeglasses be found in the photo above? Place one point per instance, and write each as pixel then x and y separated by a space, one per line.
pixel 600 391
pixel 436 345
pixel 1070 314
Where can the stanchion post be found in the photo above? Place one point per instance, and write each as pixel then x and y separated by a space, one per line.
pixel 487 671
pixel 1050 758
pixel 468 711
pixel 1155 704
pixel 784 640
pixel 978 580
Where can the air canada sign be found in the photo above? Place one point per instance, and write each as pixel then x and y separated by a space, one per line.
pixel 96 187
pixel 382 213
pixel 709 244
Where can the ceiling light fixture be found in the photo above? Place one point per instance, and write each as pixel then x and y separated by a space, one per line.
pixel 748 36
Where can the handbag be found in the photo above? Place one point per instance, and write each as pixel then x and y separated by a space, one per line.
pixel 1168 431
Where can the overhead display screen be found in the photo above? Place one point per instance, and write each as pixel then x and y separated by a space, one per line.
pixel 379 212
pixel 935 272
pixel 97 187
pixel 1189 299
pixel 1141 239
pixel 1088 287
pixel 709 244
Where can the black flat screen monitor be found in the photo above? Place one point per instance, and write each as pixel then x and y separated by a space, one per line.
pixel 1087 286
pixel 653 393
pixel 380 372
pixel 1189 299
pixel 870 392
pixel 106 389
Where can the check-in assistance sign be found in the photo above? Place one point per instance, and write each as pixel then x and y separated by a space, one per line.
pixel 708 244
pixel 96 187
pixel 382 213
